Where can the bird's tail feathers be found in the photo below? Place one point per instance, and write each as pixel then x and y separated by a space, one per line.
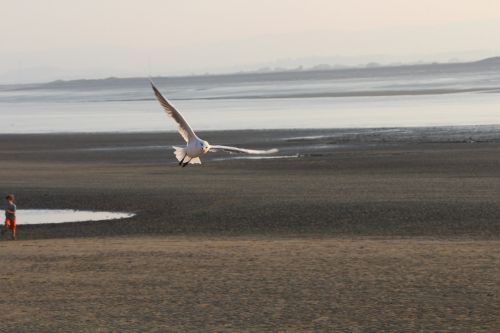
pixel 180 153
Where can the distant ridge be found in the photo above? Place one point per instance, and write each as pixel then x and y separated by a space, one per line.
pixel 316 72
pixel 492 60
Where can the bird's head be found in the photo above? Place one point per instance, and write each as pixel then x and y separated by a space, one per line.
pixel 205 146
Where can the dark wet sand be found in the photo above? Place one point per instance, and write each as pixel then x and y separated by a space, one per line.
pixel 363 230
pixel 427 182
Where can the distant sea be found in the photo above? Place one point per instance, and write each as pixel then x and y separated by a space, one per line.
pixel 406 96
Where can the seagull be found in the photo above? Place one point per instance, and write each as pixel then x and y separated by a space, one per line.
pixel 196 147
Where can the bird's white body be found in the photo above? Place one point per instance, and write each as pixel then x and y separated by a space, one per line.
pixel 192 152
pixel 195 147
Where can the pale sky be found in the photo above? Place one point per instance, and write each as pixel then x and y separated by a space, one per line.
pixel 99 38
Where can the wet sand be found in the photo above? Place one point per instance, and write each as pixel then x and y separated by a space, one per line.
pixel 392 182
pixel 352 230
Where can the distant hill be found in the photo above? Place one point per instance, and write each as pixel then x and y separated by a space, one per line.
pixel 493 60
pixel 321 71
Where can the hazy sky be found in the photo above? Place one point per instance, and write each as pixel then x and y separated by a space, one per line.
pixel 93 38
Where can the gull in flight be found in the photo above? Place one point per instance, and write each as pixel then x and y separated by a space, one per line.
pixel 196 147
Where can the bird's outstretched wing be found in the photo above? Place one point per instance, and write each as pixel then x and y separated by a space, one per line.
pixel 184 129
pixel 243 150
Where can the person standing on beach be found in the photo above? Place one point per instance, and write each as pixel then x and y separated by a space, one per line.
pixel 10 215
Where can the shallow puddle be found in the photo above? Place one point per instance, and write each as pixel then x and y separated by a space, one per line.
pixel 44 216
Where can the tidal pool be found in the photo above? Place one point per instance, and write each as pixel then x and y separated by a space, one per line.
pixel 44 216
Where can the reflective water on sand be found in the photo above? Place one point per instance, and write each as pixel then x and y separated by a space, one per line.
pixel 44 216
pixel 283 113
pixel 451 95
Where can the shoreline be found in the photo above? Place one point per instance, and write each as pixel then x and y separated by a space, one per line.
pixel 418 128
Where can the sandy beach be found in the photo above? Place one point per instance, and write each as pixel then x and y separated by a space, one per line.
pixel 350 172
pixel 249 284
pixel 349 230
